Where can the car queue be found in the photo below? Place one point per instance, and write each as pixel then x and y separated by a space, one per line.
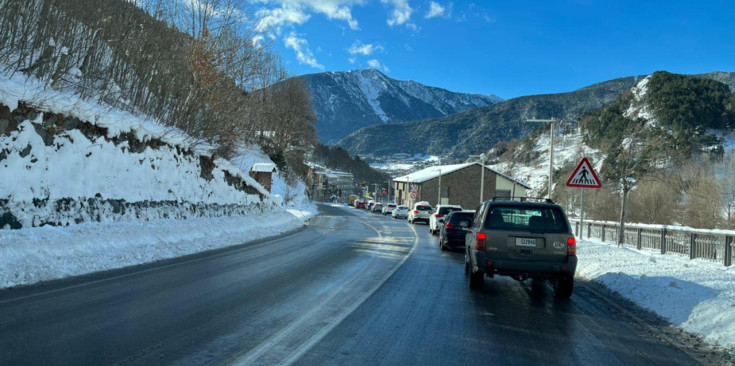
pixel 521 238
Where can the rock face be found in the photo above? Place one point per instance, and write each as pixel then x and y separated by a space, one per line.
pixel 347 101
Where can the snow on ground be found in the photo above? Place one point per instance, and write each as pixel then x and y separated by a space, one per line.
pixel 39 254
pixel 696 295
pixel 75 166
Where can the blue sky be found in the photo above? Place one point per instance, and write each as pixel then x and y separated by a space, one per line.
pixel 507 48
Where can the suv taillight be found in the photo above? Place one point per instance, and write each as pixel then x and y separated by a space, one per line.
pixel 449 226
pixel 480 241
pixel 438 215
pixel 416 212
pixel 571 246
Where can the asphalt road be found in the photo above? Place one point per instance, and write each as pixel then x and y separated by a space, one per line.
pixel 352 288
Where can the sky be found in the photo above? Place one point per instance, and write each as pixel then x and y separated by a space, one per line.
pixel 506 48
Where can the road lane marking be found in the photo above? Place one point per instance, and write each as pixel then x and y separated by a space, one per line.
pixel 316 338
pixel 253 356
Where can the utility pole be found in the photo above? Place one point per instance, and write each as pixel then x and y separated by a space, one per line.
pixel 551 147
pixel 439 191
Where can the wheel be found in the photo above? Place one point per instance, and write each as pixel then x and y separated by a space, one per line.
pixel 563 287
pixel 476 280
pixel 444 248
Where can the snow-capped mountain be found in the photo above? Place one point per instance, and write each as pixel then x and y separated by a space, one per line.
pixel 347 101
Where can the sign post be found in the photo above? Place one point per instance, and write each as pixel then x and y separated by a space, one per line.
pixel 583 177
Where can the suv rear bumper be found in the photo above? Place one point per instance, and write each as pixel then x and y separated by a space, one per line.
pixel 514 267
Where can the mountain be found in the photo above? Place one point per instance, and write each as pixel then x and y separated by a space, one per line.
pixel 347 101
pixel 477 130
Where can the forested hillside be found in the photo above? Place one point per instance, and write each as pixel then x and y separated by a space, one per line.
pixel 663 149
pixel 189 67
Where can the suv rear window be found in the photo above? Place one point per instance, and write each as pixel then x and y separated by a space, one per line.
pixel 424 208
pixel 446 210
pixel 534 219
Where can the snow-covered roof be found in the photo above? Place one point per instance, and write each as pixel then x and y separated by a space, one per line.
pixel 264 167
pixel 430 173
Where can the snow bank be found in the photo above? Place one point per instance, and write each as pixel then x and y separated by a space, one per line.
pixel 696 295
pixel 39 254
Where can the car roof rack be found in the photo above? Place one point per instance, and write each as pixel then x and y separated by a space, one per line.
pixel 524 199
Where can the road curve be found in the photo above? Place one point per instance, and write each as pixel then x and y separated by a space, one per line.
pixel 351 288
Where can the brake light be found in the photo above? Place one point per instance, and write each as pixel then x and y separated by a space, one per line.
pixel 449 225
pixel 571 246
pixel 438 215
pixel 480 241
pixel 415 212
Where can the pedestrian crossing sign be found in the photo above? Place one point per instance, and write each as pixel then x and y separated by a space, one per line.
pixel 584 176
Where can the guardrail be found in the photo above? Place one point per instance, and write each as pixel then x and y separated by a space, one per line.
pixel 714 245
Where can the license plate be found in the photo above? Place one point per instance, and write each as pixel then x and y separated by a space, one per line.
pixel 526 242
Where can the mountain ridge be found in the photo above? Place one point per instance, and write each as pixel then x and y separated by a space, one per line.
pixel 345 101
pixel 473 131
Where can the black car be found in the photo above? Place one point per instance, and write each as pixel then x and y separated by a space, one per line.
pixel 456 225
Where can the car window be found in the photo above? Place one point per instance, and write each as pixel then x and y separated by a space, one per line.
pixel 479 213
pixel 539 219
pixel 446 210
pixel 424 208
pixel 456 218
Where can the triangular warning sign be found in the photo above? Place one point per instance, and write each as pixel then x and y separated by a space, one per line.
pixel 584 176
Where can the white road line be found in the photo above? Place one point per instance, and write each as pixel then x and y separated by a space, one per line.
pixel 256 353
pixel 318 336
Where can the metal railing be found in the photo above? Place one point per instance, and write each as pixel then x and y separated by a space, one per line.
pixel 713 245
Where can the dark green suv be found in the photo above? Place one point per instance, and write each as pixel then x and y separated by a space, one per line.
pixel 521 240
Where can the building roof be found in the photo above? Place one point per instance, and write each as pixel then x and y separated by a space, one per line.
pixel 430 173
pixel 263 167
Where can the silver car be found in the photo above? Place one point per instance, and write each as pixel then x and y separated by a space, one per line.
pixel 401 212
pixel 421 212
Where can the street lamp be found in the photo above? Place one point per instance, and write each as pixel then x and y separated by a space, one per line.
pixel 551 147
pixel 483 158
pixel 439 193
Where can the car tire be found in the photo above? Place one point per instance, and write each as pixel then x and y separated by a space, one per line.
pixel 441 245
pixel 476 280
pixel 563 287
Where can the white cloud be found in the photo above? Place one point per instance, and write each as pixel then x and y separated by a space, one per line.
pixel 358 48
pixel 257 41
pixel 275 19
pixel 401 12
pixel 297 12
pixel 303 53
pixel 435 10
pixel 375 64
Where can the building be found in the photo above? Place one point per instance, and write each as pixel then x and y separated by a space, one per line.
pixel 263 174
pixel 329 185
pixel 460 185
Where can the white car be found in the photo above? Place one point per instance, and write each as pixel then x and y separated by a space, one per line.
pixel 420 212
pixel 401 212
pixel 388 209
pixel 436 220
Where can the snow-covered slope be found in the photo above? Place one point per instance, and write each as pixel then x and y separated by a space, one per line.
pixel 347 101
pixel 87 188
pixel 568 149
